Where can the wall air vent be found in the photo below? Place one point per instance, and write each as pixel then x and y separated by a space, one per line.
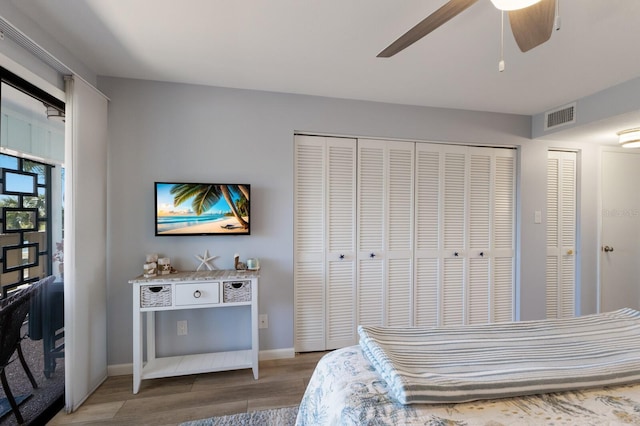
pixel 560 116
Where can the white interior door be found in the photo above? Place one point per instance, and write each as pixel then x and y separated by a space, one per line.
pixel 620 243
pixel 561 234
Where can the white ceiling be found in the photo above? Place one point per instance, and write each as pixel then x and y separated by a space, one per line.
pixel 329 48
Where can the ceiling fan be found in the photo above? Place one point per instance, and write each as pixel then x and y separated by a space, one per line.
pixel 531 22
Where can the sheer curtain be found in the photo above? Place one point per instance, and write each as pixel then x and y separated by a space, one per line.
pixel 85 241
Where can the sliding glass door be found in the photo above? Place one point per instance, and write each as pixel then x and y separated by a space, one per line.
pixel 31 237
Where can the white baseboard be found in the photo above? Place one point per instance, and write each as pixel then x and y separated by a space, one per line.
pixel 119 369
pixel 276 354
pixel 124 369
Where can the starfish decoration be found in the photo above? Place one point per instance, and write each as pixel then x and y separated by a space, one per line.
pixel 205 259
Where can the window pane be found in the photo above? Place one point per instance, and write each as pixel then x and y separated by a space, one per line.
pixel 20 219
pixel 38 202
pixel 19 183
pixel 8 162
pixel 8 200
pixel 37 168
pixel 26 127
pixel 20 257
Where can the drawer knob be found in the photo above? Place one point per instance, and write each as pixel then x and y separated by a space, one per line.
pixel 197 294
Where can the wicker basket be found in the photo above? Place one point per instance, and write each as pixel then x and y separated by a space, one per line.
pixel 236 291
pixel 153 296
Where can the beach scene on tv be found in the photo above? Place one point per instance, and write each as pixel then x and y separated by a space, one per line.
pixel 195 208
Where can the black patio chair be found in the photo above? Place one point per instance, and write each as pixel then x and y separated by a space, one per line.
pixel 13 311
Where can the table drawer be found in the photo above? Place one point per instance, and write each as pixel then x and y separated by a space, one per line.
pixel 154 296
pixel 236 291
pixel 189 294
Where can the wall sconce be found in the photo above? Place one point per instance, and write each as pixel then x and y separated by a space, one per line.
pixel 629 138
pixel 513 4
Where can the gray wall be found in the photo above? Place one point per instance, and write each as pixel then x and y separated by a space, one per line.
pixel 616 101
pixel 167 131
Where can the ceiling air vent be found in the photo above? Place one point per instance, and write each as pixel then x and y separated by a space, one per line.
pixel 560 116
pixel 18 37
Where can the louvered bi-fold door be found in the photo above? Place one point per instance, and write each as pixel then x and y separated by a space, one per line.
pixel 464 256
pixel 324 243
pixel 385 232
pixel 561 234
pixel 428 241
pixel 479 222
pixel 309 263
pixel 454 232
pixel 340 242
pixel 503 228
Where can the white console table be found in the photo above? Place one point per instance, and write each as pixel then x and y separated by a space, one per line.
pixel 191 290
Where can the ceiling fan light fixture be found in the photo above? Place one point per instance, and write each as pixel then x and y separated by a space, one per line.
pixel 513 4
pixel 629 138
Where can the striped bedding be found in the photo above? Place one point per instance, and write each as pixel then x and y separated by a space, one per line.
pixel 346 390
pixel 467 363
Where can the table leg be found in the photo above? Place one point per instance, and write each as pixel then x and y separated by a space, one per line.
pixel 137 341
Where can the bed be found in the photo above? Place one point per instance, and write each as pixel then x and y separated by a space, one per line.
pixel 496 374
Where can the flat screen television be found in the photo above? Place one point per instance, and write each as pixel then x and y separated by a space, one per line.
pixel 201 209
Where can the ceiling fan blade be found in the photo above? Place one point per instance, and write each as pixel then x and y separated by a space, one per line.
pixel 533 25
pixel 424 27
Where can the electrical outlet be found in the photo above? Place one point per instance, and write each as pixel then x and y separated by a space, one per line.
pixel 263 321
pixel 182 328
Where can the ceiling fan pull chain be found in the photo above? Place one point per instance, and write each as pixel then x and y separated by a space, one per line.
pixel 501 63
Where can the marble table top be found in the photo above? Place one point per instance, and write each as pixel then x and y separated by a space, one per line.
pixel 217 274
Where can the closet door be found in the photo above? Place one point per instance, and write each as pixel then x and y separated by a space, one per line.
pixel 309 250
pixel 385 232
pixel 400 233
pixel 503 230
pixel 561 234
pixel 480 230
pixel 465 198
pixel 324 243
pixel 340 317
pixel 441 234
pixel 428 240
pixel 454 236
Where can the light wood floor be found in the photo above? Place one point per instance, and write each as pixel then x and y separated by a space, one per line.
pixel 174 400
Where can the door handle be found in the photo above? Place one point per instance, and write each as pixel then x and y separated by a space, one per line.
pixel 607 249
